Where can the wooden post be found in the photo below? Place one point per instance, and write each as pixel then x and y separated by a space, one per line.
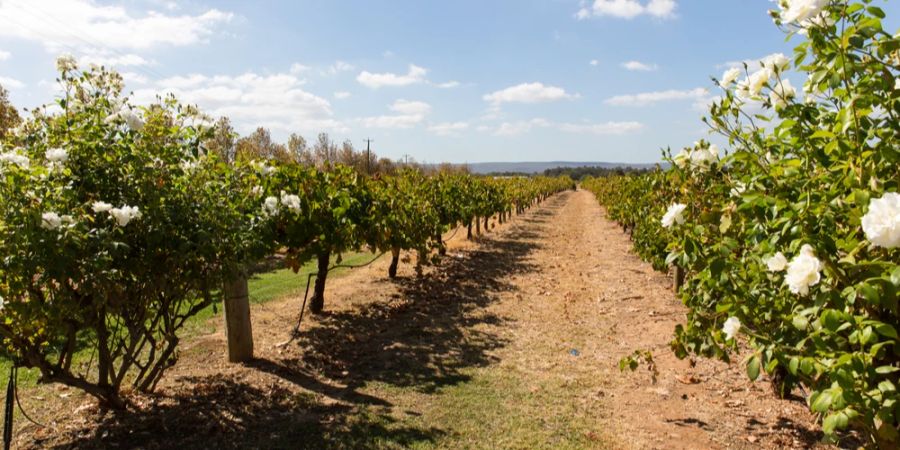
pixel 678 277
pixel 237 320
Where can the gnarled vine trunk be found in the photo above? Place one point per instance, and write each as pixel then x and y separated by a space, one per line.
pixel 395 259
pixel 317 302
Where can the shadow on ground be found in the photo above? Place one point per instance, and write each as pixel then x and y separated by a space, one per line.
pixel 424 338
pixel 216 412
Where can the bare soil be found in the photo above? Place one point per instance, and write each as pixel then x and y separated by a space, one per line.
pixel 511 341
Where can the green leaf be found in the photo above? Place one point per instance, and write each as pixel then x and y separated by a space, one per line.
pixel 835 421
pixel 753 367
pixel 821 401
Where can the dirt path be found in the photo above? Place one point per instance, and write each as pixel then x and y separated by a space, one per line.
pixel 511 342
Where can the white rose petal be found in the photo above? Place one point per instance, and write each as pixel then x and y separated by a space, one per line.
pixel 101 207
pixel 757 80
pixel 675 214
pixel 730 76
pixel 731 327
pixel 803 271
pixel 133 121
pixel 801 10
pixel 57 155
pixel 292 202
pixel 65 63
pixel 776 263
pixel 270 206
pixel 781 93
pixel 15 158
pixel 125 214
pixel 776 62
pixel 882 222
pixel 682 158
pixel 50 221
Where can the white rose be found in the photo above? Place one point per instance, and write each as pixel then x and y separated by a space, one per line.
pixel 133 120
pixel 742 91
pixel 757 80
pixel 101 207
pixel 256 191
pixel 65 63
pixel 701 158
pixel 739 188
pixel 776 62
pixel 50 221
pixel 781 93
pixel 57 155
pixel 189 166
pixel 803 271
pixel 731 327
pixel 15 158
pixel 801 10
pixel 882 222
pixel 270 206
pixel 682 158
pixel 675 214
pixel 776 263
pixel 730 76
pixel 292 202
pixel 125 214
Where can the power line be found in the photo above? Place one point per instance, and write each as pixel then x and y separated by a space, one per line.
pixel 368 155
pixel 68 31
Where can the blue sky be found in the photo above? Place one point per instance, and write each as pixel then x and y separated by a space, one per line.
pixel 486 80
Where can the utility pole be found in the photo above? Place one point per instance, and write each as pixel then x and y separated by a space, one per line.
pixel 405 160
pixel 368 155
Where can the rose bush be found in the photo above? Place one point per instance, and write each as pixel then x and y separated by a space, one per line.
pixel 791 239
pixel 113 232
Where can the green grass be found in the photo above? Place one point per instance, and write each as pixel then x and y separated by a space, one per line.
pixel 264 287
pixel 493 409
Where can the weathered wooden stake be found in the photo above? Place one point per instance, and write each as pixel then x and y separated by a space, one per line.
pixel 678 277
pixel 238 330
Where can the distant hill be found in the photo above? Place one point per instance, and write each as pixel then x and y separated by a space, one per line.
pixel 540 166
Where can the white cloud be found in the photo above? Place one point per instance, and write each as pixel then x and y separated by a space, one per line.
pixel 520 127
pixel 528 93
pixel 4 55
pixel 338 67
pixel 448 128
pixel 11 83
pixel 628 9
pixel 341 95
pixel 415 75
pixel 109 59
pixel 297 68
pixel 408 114
pixel 410 107
pixel 649 98
pixel 594 62
pixel 132 78
pixel 605 128
pixel 639 66
pixel 448 85
pixel 276 101
pixel 52 23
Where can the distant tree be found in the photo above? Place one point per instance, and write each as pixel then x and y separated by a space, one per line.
pixel 348 157
pixel 325 151
pixel 259 145
pixel 297 147
pixel 9 116
pixel 223 141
